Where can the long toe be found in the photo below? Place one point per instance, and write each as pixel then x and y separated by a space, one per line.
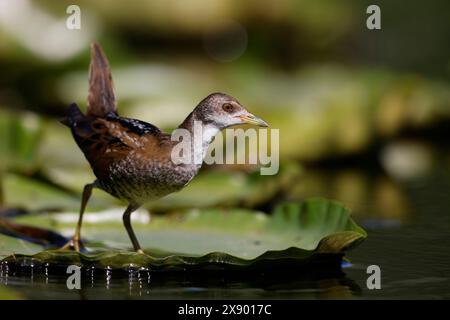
pixel 73 244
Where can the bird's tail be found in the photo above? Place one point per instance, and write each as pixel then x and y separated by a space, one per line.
pixel 101 98
pixel 73 116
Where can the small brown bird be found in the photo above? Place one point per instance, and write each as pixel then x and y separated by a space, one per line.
pixel 132 159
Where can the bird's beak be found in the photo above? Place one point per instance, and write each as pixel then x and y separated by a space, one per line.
pixel 251 119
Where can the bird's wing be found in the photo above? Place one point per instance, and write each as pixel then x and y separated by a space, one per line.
pixel 106 141
pixel 101 144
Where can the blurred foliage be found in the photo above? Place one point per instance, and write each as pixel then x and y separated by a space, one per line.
pixel 21 136
pixel 310 68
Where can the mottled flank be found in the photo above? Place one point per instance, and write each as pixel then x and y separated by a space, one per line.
pixel 138 179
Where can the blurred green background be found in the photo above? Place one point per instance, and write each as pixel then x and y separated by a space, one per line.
pixel 363 114
pixel 341 95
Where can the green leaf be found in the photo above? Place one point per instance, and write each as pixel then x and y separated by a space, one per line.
pixel 294 234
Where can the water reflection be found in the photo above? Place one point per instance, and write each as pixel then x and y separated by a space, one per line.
pixel 141 283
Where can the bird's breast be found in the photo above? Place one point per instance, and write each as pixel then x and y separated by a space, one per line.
pixel 139 178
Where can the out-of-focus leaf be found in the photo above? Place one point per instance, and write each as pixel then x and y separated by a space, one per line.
pixel 27 193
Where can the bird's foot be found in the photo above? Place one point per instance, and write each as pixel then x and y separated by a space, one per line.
pixel 73 244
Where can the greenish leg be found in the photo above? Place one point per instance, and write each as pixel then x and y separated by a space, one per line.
pixel 75 242
pixel 127 223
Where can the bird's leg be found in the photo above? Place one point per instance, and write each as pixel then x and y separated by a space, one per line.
pixel 75 242
pixel 126 221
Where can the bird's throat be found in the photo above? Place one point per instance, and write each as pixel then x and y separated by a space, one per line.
pixel 200 135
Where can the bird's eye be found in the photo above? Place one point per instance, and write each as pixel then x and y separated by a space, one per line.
pixel 227 107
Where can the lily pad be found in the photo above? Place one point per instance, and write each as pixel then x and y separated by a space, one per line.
pixel 316 232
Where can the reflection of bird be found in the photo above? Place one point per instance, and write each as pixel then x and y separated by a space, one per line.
pixel 131 158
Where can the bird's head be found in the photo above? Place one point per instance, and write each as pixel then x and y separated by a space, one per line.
pixel 222 111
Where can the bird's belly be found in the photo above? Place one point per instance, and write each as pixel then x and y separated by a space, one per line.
pixel 140 183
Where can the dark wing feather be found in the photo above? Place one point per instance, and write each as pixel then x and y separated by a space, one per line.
pixel 133 125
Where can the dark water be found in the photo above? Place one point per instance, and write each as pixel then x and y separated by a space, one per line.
pixel 414 257
pixel 409 238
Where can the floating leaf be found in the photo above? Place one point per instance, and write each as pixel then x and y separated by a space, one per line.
pixel 313 233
